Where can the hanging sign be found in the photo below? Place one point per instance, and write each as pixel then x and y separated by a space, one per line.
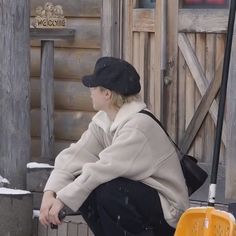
pixel 49 16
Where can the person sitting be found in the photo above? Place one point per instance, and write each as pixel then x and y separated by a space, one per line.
pixel 124 174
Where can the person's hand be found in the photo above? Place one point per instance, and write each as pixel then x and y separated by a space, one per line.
pixel 46 205
pixel 54 211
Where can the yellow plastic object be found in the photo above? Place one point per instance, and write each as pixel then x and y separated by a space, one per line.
pixel 206 221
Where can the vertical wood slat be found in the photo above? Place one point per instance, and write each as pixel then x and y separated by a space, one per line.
pixel 47 99
pixel 62 230
pixel 111 27
pixel 160 56
pixel 143 63
pixel 200 53
pixel 152 99
pixel 181 96
pixel 231 122
pixel 209 131
pixel 14 91
pixel 128 33
pixel 220 48
pixel 72 229
pixel 172 52
pixel 190 87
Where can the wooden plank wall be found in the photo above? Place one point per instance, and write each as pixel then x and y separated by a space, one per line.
pixel 72 226
pixel 143 60
pixel 209 50
pixel 72 60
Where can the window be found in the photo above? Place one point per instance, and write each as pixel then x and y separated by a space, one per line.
pixel 147 3
pixel 205 3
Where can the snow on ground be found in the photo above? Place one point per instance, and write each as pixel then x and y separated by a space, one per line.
pixel 3 180
pixel 32 165
pixel 10 191
pixel 35 213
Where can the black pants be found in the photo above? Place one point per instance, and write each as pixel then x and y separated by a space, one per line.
pixel 125 207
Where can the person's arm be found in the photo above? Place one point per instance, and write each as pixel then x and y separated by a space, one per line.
pixel 69 163
pixel 128 156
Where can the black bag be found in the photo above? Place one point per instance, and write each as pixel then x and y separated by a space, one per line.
pixel 194 175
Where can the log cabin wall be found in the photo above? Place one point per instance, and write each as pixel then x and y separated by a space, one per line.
pixel 72 60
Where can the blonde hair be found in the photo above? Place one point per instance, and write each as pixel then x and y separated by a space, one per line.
pixel 118 100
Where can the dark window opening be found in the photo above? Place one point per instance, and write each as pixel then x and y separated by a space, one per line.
pixel 147 4
pixel 205 3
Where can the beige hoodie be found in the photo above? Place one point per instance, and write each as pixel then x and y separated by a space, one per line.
pixel 134 147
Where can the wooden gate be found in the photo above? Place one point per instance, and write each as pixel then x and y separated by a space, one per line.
pixel 181 82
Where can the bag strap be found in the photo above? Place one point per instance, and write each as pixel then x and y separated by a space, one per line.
pixel 160 124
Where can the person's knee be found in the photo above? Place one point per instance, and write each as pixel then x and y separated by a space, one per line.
pixel 107 192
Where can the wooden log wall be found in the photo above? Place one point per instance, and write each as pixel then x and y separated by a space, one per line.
pixel 72 60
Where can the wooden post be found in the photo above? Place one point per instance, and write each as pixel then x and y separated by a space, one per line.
pixel 230 185
pixel 47 99
pixel 14 91
pixel 111 28
pixel 170 112
pixel 47 37
pixel 16 213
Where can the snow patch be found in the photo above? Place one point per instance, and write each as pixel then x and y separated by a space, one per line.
pixel 36 213
pixel 9 191
pixel 32 165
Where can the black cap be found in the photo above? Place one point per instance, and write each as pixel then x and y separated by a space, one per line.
pixel 114 74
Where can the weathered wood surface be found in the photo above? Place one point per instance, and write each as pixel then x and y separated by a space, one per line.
pixel 16 214
pixel 68 95
pixel 201 112
pixel 14 91
pixel 59 145
pixel 37 178
pixel 231 126
pixel 143 20
pixel 111 28
pixel 52 34
pixel 203 20
pixel 202 193
pixel 75 226
pixel 47 99
pixel 87 34
pixel 172 55
pixel 73 8
pixel 78 62
pixel 198 74
pixel 68 125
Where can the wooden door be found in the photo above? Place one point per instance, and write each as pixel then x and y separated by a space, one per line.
pixel 180 83
pixel 130 34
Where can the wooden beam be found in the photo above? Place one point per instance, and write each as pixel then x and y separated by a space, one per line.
pixel 14 91
pixel 111 28
pixel 198 75
pixel 73 8
pixel 127 48
pixel 52 34
pixel 160 56
pixel 201 112
pixel 170 94
pixel 203 20
pixel 231 126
